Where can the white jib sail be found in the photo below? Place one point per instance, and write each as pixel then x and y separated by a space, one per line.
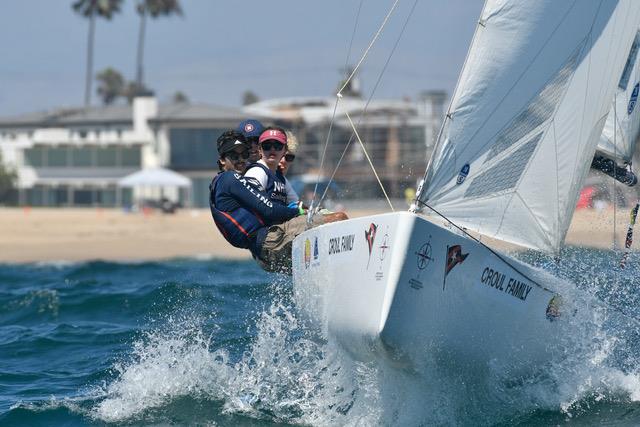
pixel 624 117
pixel 526 116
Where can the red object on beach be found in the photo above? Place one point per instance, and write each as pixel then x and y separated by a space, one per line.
pixel 586 198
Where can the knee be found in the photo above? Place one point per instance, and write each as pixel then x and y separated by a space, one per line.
pixel 336 216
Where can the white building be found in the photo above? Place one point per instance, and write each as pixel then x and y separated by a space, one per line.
pixel 398 135
pixel 75 157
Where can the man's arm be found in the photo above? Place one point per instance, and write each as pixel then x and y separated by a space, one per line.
pixel 292 196
pixel 250 198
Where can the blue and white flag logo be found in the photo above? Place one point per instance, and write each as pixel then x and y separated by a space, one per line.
pixel 463 174
pixel 634 98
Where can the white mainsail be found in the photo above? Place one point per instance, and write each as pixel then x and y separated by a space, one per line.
pixel 620 146
pixel 526 116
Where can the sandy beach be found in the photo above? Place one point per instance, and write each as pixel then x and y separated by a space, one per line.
pixel 33 235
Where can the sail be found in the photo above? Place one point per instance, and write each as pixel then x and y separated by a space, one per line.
pixel 526 116
pixel 624 117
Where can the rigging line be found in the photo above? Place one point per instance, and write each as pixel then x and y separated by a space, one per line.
pixel 366 52
pixel 466 233
pixel 447 115
pixel 366 106
pixel 353 35
pixel 369 160
pixel 598 301
pixel 510 90
pixel 333 116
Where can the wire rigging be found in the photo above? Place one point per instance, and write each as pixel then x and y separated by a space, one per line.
pixel 363 115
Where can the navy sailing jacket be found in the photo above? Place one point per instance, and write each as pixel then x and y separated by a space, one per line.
pixel 242 213
pixel 276 186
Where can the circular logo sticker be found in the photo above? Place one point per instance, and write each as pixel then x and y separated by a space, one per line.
pixel 248 127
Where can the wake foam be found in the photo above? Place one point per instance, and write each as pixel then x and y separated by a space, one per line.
pixel 290 373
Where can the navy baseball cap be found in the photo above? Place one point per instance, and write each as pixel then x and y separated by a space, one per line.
pixel 250 128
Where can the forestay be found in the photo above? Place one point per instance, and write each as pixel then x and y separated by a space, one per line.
pixel 526 116
pixel 620 146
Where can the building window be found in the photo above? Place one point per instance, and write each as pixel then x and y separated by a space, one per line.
pixel 83 197
pixel 106 157
pixel 193 148
pixel 130 157
pixel 81 156
pixel 34 157
pixel 57 157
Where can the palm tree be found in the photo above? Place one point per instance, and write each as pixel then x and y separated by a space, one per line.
pixel 180 98
pixel 111 85
pixel 90 9
pixel 153 8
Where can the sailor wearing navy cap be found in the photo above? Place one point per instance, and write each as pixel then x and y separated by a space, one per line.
pixel 242 213
pixel 251 129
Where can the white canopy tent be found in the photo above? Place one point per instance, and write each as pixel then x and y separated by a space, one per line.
pixel 154 181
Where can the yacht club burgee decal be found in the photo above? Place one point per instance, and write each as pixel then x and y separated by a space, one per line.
pixel 454 257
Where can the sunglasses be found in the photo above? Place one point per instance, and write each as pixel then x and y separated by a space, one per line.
pixel 234 156
pixel 275 145
pixel 289 157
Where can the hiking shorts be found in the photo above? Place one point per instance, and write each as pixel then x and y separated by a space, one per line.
pixel 275 255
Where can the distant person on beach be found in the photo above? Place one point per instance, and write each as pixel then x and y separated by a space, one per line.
pixel 251 129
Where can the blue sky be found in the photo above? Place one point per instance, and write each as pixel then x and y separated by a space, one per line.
pixel 219 49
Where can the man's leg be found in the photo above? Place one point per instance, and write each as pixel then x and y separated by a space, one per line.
pixel 276 250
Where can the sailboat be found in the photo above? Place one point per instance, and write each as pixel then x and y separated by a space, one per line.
pixel 621 130
pixel 516 145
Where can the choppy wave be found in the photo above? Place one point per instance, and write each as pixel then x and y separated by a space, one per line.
pixel 220 343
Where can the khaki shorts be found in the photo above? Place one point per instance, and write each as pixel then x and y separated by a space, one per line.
pixel 276 249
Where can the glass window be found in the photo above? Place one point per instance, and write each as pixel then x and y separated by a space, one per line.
pixel 57 157
pixel 82 197
pixel 35 196
pixel 130 156
pixel 59 196
pixel 106 157
pixel 106 197
pixel 34 157
pixel 194 148
pixel 81 156
pixel 126 197
pixel 200 192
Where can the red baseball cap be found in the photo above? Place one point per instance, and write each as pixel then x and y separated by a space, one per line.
pixel 273 134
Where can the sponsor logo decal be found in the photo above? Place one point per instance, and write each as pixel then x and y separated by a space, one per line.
pixel 341 244
pixel 553 309
pixel 382 253
pixel 370 236
pixel 454 257
pixel 315 249
pixel 248 127
pixel 307 253
pixel 633 99
pixel 499 282
pixel 462 175
pixel 423 259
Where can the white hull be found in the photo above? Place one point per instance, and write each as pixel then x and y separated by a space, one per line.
pixel 385 291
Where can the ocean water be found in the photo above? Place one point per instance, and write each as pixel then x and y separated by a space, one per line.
pixel 220 343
